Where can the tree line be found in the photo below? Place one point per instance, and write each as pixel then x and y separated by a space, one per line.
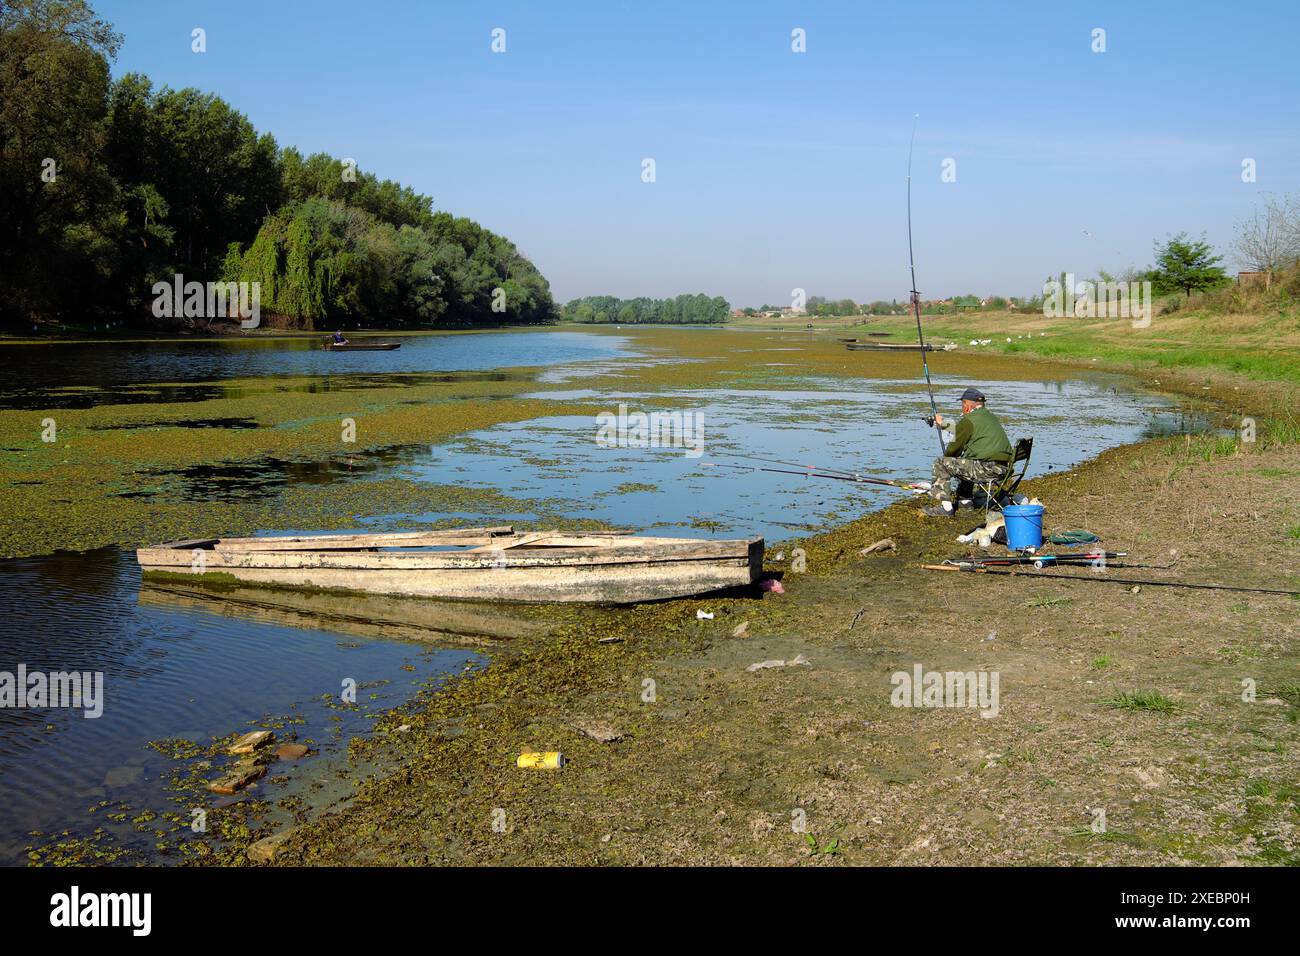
pixel 108 186
pixel 698 309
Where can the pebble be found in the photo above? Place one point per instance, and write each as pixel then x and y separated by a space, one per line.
pixel 123 776
pixel 598 731
pixel 798 661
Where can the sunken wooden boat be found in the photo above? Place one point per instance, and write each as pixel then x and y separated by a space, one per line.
pixel 473 564
pixel 332 346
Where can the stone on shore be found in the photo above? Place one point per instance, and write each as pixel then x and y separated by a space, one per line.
pixel 251 741
pixel 265 849
pixel 598 731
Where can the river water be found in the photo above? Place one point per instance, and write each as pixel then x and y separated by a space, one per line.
pixel 177 664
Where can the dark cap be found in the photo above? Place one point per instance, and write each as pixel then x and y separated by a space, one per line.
pixel 972 395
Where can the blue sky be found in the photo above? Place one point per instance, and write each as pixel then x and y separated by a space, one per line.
pixel 775 170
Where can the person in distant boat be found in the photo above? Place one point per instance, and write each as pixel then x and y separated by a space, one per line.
pixel 339 339
pixel 979 451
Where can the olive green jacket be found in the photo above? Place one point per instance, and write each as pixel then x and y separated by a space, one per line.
pixel 979 435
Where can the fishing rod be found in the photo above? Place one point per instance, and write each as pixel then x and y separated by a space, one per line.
pixel 796 464
pixel 1039 560
pixel 916 296
pixel 809 473
pixel 790 464
pixel 1129 581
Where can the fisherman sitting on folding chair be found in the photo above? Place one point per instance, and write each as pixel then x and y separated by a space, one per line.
pixel 979 452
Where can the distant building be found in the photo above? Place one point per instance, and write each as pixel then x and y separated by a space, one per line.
pixel 1251 278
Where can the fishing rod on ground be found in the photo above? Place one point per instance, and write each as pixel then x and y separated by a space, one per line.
pixel 1099 562
pixel 916 296
pixel 1108 580
pixel 1039 560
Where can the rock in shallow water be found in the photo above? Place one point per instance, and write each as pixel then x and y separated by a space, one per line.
pixel 291 751
pixel 238 779
pixel 251 741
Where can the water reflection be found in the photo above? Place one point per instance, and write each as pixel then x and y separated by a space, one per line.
pixel 85 375
pixel 192 666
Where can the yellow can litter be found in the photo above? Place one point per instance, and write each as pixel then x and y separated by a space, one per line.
pixel 548 760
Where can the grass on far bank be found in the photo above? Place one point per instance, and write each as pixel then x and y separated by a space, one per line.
pixel 1252 331
pixel 1261 347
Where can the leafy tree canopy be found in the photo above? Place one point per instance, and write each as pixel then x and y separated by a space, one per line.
pixel 108 186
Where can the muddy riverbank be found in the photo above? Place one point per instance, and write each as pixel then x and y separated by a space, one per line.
pixel 712 760
pixel 727 765
pixel 811 764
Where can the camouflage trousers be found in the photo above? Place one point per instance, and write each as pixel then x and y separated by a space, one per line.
pixel 970 469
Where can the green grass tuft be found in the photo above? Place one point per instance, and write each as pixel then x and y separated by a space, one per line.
pixel 1053 601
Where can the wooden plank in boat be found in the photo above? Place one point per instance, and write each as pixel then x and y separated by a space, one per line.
pixel 666 550
pixel 331 542
pixel 517 542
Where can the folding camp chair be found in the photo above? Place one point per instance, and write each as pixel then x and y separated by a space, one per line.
pixel 996 491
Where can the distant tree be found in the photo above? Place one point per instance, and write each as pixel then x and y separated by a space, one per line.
pixel 1269 239
pixel 1186 265
pixel 696 309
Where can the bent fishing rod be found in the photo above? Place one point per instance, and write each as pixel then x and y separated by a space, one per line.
pixel 916 296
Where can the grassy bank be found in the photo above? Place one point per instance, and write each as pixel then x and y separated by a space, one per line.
pixel 1262 345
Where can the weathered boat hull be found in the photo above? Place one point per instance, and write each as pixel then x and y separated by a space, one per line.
pixel 538 567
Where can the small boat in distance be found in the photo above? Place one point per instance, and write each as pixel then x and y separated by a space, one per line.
pixel 332 346
pixel 472 564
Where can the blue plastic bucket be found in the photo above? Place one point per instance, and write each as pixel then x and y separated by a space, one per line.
pixel 1024 526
